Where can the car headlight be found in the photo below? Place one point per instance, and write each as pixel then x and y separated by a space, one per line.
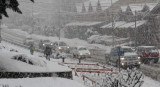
pixel 139 57
pixel 80 54
pixel 43 44
pixel 122 58
pixel 139 62
pixel 122 64
pixel 59 48
pixel 68 47
pixel 89 53
pixel 51 43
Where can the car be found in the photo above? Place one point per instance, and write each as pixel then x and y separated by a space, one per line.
pixel 128 57
pixel 81 52
pixel 44 43
pixel 148 54
pixel 62 46
pixel 28 41
pixel 94 39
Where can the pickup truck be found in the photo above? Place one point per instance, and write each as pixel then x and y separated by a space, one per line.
pixel 148 54
pixel 128 57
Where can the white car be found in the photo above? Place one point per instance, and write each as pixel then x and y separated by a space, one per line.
pixel 94 39
pixel 81 52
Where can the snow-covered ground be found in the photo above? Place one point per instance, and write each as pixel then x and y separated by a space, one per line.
pixel 148 82
pixel 39 82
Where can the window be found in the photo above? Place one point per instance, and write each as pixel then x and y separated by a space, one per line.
pixel 62 44
pixel 82 49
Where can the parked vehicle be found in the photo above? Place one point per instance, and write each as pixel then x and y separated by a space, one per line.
pixel 44 43
pixel 148 54
pixel 94 39
pixel 106 40
pixel 28 41
pixel 128 57
pixel 81 52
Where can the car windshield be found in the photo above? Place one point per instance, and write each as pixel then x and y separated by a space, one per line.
pixel 62 44
pixel 46 41
pixel 29 38
pixel 82 48
pixel 128 50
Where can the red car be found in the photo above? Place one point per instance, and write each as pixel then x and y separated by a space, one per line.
pixel 148 54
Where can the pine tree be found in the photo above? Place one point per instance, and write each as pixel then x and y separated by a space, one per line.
pixel 98 8
pixel 83 8
pixel 90 9
pixel 75 9
pixel 10 4
pixel 145 8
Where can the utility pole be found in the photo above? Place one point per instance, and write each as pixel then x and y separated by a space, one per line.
pixel 135 29
pixel 0 30
pixel 32 21
pixel 112 25
pixel 59 21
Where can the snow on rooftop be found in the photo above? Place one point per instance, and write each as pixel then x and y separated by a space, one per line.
pixel 132 24
pixel 147 46
pixel 151 5
pixel 83 23
pixel 123 8
pixel 104 4
pixel 116 24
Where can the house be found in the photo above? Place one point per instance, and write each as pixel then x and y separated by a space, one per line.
pixel 82 30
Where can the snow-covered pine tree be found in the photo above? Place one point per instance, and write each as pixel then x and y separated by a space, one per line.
pixel 11 4
pixel 98 8
pixel 90 8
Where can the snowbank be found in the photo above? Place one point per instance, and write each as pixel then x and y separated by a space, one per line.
pixel 26 62
pixel 40 82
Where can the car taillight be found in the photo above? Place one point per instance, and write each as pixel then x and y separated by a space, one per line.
pixel 144 54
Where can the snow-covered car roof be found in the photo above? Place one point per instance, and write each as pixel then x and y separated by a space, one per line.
pixel 147 46
pixel 94 36
pixel 9 63
pixel 126 47
pixel 130 54
pixel 81 47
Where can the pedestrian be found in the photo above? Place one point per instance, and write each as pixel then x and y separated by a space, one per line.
pixel 32 48
pixel 48 52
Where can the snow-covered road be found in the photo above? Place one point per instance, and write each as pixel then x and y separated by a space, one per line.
pixel 148 82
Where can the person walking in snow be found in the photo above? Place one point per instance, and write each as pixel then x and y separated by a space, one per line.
pixel 48 52
pixel 32 48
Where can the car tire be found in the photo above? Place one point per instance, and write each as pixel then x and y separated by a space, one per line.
pixel 107 60
pixel 156 60
pixel 74 56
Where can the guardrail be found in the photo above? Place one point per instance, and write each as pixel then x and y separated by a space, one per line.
pixel 98 55
pixel 14 41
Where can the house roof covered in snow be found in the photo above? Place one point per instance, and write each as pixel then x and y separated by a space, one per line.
pixel 104 4
pixel 83 23
pixel 116 24
pixel 123 24
pixel 132 24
